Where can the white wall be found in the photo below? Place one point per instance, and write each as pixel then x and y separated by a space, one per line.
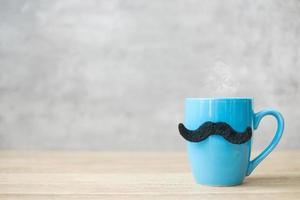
pixel 114 74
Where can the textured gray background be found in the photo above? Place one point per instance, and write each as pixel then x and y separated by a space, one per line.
pixel 113 74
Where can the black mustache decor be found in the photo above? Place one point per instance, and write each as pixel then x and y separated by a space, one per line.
pixel 219 128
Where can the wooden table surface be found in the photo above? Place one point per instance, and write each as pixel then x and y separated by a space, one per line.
pixel 131 175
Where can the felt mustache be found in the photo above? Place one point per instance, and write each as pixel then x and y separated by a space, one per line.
pixel 211 128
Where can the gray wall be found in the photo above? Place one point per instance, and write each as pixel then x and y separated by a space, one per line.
pixel 113 74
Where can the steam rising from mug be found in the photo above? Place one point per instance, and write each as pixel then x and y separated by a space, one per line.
pixel 223 79
pixel 219 128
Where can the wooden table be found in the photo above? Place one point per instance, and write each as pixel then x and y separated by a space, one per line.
pixel 131 175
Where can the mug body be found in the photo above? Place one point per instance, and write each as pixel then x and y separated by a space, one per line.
pixel 215 161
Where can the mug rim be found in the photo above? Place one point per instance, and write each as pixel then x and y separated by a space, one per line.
pixel 219 98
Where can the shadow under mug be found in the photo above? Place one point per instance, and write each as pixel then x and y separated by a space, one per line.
pixel 214 160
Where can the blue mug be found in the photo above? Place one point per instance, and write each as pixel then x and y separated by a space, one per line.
pixel 219 136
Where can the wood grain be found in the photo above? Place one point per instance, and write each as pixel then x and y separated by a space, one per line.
pixel 131 175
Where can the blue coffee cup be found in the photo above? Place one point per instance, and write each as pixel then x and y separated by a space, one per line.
pixel 219 136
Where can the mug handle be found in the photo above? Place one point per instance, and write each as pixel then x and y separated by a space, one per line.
pixel 280 126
